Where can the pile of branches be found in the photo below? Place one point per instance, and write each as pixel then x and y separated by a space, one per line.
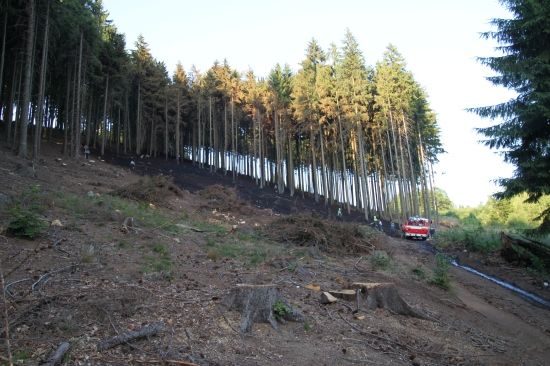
pixel 327 236
pixel 150 189
pixel 220 198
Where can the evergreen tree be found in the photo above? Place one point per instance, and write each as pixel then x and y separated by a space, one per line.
pixel 524 66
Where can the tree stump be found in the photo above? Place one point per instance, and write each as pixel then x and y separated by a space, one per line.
pixel 385 296
pixel 522 250
pixel 260 303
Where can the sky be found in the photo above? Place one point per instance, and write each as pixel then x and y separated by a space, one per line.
pixel 440 40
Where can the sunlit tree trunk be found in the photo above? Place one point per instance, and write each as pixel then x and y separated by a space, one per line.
pixel 416 210
pixel 344 169
pixel 323 166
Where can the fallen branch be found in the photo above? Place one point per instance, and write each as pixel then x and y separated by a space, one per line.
pixel 57 356
pixel 6 321
pixel 46 275
pixel 7 287
pixel 176 362
pixel 146 331
pixel 190 228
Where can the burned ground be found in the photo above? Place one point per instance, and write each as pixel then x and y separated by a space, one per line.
pixel 88 279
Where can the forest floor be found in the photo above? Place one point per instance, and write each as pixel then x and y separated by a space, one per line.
pixel 95 274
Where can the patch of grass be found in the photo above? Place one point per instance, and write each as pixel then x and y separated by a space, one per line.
pixel 419 272
pixel 380 259
pixel 307 326
pixel 19 356
pixel 123 244
pixel 97 208
pixel 24 213
pixel 208 227
pixel 160 249
pixel 252 253
pixel 440 276
pixel 280 310
pixel 475 238
pixel 159 262
pixel 89 255
pixel 250 235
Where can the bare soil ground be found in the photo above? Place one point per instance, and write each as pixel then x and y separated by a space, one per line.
pixel 189 243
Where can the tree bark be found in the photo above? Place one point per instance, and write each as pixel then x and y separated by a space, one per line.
pixel 260 303
pixel 25 105
pixel 104 128
pixel 177 126
pixel 76 147
pixel 146 331
pixel 2 57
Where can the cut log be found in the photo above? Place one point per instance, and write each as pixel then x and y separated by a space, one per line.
pixel 348 295
pixel 260 303
pixel 522 250
pixel 56 357
pixel 146 331
pixel 385 296
pixel 327 298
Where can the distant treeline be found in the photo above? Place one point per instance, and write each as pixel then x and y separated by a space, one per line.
pixel 342 130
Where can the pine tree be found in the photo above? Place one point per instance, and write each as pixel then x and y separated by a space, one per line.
pixel 306 102
pixel 524 133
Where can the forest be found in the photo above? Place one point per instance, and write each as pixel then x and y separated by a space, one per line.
pixel 341 130
pixel 201 231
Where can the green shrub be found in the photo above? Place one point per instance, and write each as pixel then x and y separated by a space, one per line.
pixel 160 262
pixel 280 310
pixel 473 238
pixel 419 272
pixel 160 249
pixel 24 213
pixel 440 276
pixel 251 252
pixel 380 259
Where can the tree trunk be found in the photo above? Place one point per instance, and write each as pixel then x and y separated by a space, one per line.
pixel 76 147
pixel 411 168
pixel 344 169
pixel 138 120
pixel 42 86
pixel 2 57
pixel 10 104
pixel 127 133
pixel 290 168
pixel 166 126
pixel 118 131
pixel 67 114
pixel 364 185
pixel 234 143
pixel 209 133
pixel 177 126
pixel 313 164
pixel 25 105
pixel 104 119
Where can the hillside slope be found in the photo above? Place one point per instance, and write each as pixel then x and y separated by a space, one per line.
pixel 132 251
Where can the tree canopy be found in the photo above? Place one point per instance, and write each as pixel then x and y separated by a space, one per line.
pixel 523 131
pixel 336 128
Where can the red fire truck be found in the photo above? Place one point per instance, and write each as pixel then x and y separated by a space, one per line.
pixel 416 228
